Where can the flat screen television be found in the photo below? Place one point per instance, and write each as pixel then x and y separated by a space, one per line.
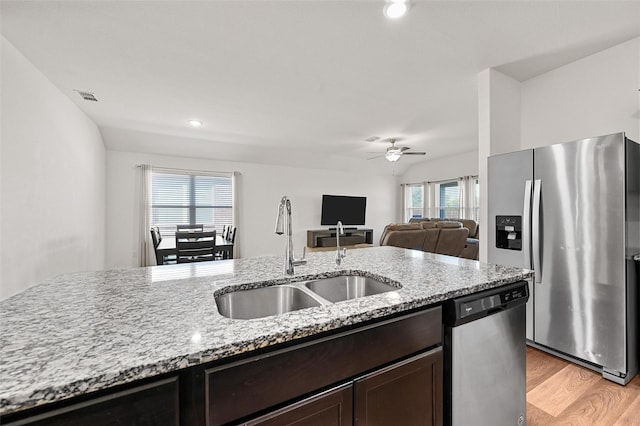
pixel 347 209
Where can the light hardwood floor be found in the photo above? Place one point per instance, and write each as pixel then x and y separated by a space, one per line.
pixel 562 393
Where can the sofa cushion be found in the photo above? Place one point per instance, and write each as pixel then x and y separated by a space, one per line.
pixel 411 239
pixel 471 225
pixel 431 239
pixel 403 226
pixel 471 249
pixel 451 241
pixel 448 224
pixel 398 227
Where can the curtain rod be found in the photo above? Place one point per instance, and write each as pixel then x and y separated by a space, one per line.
pixel 185 170
pixel 440 181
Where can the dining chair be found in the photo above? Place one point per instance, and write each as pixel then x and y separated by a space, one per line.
pixel 190 227
pixel 195 246
pixel 156 237
pixel 219 253
pixel 230 237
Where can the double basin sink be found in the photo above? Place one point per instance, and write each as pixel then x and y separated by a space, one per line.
pixel 273 300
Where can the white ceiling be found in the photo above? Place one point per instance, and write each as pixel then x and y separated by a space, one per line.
pixel 299 82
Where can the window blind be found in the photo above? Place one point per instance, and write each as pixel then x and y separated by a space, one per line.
pixel 449 200
pixel 190 198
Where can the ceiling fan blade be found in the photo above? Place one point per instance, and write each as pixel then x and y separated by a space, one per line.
pixel 404 148
pixel 413 153
pixel 377 156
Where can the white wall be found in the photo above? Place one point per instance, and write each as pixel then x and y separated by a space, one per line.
pixel 450 167
pixel 499 117
pixel 52 180
pixel 261 187
pixel 593 96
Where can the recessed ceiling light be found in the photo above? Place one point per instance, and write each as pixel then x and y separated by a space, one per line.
pixel 395 9
pixel 195 123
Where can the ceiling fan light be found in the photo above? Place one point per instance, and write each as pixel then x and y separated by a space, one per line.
pixel 392 156
pixel 395 9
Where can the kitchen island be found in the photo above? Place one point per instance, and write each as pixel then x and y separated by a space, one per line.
pixel 84 334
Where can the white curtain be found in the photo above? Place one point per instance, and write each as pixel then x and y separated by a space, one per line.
pixel 432 203
pixel 468 185
pixel 146 252
pixel 235 184
pixel 462 191
pixel 425 200
pixel 403 203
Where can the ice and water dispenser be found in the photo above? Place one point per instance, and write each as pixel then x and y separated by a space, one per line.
pixel 509 232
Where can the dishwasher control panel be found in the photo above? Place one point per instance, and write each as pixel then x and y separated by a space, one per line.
pixel 514 294
pixel 478 305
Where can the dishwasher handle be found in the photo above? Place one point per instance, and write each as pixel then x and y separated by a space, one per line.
pixel 496 310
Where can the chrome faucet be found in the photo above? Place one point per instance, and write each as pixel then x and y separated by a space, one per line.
pixel 343 254
pixel 281 221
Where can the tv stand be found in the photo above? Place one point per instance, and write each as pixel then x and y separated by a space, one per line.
pixel 345 228
pixel 328 238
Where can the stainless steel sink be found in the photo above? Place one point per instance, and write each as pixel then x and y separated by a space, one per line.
pixel 263 302
pixel 273 300
pixel 346 287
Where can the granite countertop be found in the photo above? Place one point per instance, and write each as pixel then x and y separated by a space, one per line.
pixel 82 332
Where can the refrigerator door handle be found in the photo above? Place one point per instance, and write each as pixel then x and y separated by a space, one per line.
pixel 526 225
pixel 535 219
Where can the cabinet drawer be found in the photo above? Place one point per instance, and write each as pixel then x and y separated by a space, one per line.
pixel 152 404
pixel 246 387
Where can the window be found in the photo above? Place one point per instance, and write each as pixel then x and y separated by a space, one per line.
pixel 449 200
pixel 414 201
pixel 185 198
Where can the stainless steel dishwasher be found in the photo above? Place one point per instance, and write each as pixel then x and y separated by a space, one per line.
pixel 485 357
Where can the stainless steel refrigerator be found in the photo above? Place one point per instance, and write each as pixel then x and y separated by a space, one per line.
pixel 571 212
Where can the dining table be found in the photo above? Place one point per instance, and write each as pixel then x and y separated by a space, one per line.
pixel 167 247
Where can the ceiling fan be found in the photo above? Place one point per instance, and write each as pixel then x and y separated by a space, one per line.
pixel 395 152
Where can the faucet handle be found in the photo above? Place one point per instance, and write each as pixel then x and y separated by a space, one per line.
pixel 344 252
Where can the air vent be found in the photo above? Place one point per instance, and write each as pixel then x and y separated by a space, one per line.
pixel 372 138
pixel 87 96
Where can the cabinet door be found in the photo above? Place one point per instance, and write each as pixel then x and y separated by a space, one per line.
pixel 407 393
pixel 155 404
pixel 330 408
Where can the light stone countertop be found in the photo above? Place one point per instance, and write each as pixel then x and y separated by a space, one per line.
pixel 83 332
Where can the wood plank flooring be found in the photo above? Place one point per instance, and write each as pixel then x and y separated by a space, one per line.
pixel 562 393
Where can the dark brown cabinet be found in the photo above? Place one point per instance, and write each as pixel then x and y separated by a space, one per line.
pixel 408 393
pixel 154 404
pixel 239 390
